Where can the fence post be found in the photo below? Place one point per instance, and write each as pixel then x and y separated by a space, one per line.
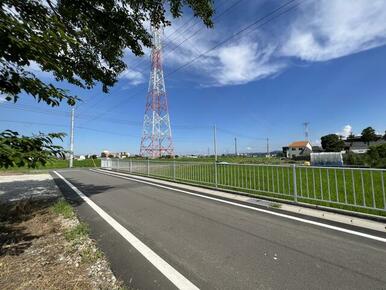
pixel 148 167
pixel 174 170
pixel 117 164
pixel 131 166
pixel 215 174
pixel 295 183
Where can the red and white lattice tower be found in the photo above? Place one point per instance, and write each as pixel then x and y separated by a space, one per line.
pixel 157 134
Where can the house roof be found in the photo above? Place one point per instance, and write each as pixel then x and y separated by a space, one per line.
pixel 298 144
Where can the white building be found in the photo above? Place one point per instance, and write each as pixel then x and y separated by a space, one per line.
pixel 80 157
pixel 120 155
pixel 299 149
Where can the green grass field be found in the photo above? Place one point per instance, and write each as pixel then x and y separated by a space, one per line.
pixel 230 159
pixel 54 164
pixel 350 189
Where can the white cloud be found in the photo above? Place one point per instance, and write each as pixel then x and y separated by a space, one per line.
pixel 346 131
pixel 320 30
pixel 2 98
pixel 243 62
pixel 34 68
pixel 237 63
pixel 328 29
pixel 132 77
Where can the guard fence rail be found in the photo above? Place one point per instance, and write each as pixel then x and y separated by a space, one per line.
pixel 357 189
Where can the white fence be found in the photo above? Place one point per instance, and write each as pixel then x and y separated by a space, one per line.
pixel 349 188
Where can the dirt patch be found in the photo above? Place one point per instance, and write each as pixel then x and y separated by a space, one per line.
pixel 41 249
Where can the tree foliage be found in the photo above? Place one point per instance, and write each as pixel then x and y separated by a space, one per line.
pixel 332 143
pixel 16 150
pixel 80 41
pixel 369 135
pixel 377 156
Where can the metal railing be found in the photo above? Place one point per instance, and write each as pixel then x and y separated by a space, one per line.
pixel 360 189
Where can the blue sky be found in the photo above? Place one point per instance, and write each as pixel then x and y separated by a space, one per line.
pixel 323 62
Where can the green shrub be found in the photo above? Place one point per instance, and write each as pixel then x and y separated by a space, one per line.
pixel 63 208
pixel 89 255
pixel 377 156
pixel 77 233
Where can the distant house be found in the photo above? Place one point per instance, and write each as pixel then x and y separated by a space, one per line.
pixel 119 155
pixel 355 144
pixel 298 149
pixel 80 157
pixel 191 156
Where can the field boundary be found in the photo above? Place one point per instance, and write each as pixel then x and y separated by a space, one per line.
pixel 349 189
pixel 339 220
pixel 199 187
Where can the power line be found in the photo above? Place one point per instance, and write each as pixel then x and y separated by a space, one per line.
pixel 135 66
pixel 142 59
pixel 268 151
pixel 185 29
pixel 195 33
pixel 90 129
pixel 216 46
pixel 66 113
pixel 110 120
pixel 233 133
pixel 306 132
pixel 64 126
pixel 72 137
pixel 31 109
pixel 270 14
pixel 193 24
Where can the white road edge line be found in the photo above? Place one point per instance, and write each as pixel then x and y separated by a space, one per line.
pixel 336 228
pixel 167 270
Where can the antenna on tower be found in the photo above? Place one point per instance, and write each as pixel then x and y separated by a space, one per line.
pixel 306 132
pixel 156 138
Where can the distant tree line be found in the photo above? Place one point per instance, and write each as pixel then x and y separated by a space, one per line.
pixel 374 157
pixel 335 143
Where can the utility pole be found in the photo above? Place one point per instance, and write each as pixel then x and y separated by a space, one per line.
pixel 236 146
pixel 72 137
pixel 215 143
pixel 306 133
pixel 268 155
pixel 215 156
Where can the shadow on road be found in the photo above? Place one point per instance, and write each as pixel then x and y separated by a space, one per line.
pixel 88 189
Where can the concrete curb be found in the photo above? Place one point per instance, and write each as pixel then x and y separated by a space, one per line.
pixel 378 224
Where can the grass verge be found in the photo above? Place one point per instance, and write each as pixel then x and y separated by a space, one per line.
pixel 63 208
pixel 53 164
pixel 78 233
pixel 44 246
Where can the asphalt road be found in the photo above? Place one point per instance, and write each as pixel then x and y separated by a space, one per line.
pixel 220 246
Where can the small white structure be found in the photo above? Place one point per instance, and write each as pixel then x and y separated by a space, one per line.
pixel 299 148
pixel 81 157
pixel 327 159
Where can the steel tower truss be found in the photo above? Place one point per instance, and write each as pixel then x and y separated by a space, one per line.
pixel 157 134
